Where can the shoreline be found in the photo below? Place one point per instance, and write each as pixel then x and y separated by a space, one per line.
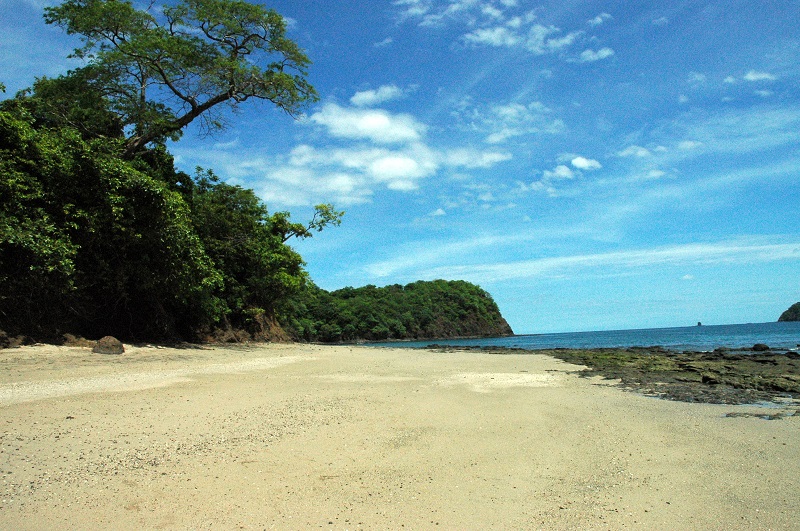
pixel 290 436
pixel 722 376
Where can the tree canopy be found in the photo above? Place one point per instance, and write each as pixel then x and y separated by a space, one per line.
pixel 161 69
pixel 420 310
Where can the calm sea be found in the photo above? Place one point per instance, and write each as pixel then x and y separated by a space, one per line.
pixel 779 336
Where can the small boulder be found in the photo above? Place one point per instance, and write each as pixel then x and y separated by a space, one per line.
pixel 760 347
pixel 109 345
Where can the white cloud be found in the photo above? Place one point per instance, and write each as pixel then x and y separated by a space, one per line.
pixel 582 163
pixel 385 42
pixel 438 212
pixel 661 21
pixel 470 158
pixel 497 36
pixel 370 124
pixel 753 75
pixel 559 172
pixel 499 24
pixel 413 8
pixel 539 41
pixel 613 263
pixel 599 19
pixel 369 98
pixel 689 144
pixel 505 121
pixel 635 151
pixel 588 56
pixel 764 93
pixel 696 78
pixel 368 149
pixel 730 80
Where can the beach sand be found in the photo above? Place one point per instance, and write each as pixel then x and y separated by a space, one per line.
pixel 304 436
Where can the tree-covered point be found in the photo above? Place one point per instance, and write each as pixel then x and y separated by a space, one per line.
pixel 421 310
pixel 792 314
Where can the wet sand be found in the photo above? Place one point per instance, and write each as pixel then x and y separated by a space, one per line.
pixel 301 436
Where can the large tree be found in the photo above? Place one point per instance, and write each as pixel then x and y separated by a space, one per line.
pixel 162 68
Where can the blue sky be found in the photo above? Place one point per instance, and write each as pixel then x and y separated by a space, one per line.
pixel 593 165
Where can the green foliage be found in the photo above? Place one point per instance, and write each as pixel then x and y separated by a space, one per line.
pixel 76 101
pixel 91 243
pixel 435 309
pixel 162 68
pixel 792 314
pixel 259 270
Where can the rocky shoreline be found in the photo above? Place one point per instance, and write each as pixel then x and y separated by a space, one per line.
pixel 718 377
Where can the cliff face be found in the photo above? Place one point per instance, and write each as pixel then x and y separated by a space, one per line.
pixel 792 314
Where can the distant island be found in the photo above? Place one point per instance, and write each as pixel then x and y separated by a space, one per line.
pixel 792 314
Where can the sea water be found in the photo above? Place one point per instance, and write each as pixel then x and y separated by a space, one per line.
pixel 778 336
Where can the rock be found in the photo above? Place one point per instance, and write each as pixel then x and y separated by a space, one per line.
pixel 760 347
pixel 109 345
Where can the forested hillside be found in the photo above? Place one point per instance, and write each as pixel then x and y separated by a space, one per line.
pixel 438 309
pixel 792 314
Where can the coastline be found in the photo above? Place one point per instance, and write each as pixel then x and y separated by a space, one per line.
pixel 347 437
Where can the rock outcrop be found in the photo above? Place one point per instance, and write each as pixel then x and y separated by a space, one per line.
pixel 109 345
pixel 792 314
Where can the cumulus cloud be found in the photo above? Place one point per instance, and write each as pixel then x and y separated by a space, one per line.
pixel 582 163
pixel 369 98
pixel 366 150
pixel 588 56
pixel 376 125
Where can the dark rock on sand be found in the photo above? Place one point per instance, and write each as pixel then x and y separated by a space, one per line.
pixel 109 345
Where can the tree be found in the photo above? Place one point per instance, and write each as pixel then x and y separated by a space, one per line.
pixel 164 68
pixel 90 243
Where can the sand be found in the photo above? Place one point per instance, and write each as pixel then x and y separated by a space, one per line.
pixel 303 436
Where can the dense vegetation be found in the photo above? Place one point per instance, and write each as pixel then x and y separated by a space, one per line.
pixel 792 314
pixel 437 309
pixel 100 234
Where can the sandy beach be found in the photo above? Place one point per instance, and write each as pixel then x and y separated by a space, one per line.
pixel 339 437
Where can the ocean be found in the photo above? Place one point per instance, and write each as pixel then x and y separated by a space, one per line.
pixel 778 336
